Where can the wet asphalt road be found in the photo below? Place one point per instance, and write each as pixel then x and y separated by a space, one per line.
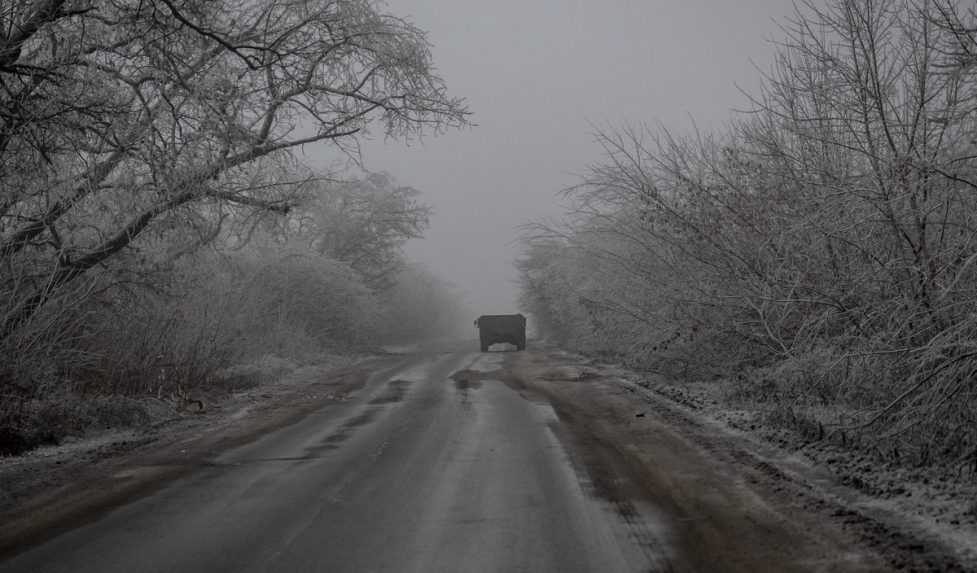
pixel 418 472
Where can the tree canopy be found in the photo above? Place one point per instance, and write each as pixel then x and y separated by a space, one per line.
pixel 132 122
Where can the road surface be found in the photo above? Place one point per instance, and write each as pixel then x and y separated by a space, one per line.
pixel 420 472
pixel 440 462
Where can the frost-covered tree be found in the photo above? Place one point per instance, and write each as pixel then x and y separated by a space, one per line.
pixel 130 121
pixel 364 222
pixel 828 239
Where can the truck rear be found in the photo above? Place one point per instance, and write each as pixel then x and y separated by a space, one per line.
pixel 497 328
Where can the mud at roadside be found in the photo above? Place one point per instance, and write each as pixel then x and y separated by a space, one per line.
pixel 938 499
pixel 48 493
pixel 734 504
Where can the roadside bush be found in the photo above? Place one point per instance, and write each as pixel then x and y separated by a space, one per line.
pixel 48 421
pixel 295 304
pixel 221 311
pixel 819 377
pixel 71 416
pixel 799 420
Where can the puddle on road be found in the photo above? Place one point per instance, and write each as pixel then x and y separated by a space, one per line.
pixel 465 381
pixel 490 368
pixel 468 379
pixel 471 379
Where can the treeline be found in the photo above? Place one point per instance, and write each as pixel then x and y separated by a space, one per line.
pixel 156 223
pixel 818 255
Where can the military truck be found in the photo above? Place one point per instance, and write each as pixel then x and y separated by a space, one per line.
pixel 495 328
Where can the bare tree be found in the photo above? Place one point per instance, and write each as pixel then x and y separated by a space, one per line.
pixel 830 233
pixel 122 118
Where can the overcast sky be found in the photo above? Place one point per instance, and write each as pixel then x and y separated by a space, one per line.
pixel 538 75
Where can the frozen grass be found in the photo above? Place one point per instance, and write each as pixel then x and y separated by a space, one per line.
pixel 265 369
pixel 50 421
pixel 37 422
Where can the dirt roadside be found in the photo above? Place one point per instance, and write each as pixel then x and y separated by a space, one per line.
pixel 53 490
pixel 738 503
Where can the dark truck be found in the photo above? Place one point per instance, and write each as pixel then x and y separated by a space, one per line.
pixel 495 328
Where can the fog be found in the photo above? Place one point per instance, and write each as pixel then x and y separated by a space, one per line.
pixel 540 77
pixel 209 214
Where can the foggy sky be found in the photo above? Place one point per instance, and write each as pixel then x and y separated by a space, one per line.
pixel 539 75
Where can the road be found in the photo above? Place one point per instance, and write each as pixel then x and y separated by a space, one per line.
pixel 418 472
pixel 464 462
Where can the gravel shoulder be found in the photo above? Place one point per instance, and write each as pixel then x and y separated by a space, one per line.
pixel 750 497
